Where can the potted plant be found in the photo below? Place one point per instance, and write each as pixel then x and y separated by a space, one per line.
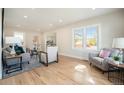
pixel 116 58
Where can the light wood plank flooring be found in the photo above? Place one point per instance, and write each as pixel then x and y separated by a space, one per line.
pixel 68 71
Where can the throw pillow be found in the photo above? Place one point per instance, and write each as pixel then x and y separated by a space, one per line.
pixel 8 49
pixel 19 50
pixel 104 53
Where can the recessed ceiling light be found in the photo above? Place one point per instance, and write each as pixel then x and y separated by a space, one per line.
pixel 50 24
pixel 25 16
pixel 38 29
pixel 93 8
pixel 18 25
pixel 60 20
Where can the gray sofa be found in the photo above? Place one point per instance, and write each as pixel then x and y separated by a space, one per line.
pixel 6 52
pixel 101 63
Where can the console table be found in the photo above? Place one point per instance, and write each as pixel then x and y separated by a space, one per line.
pixel 116 73
pixel 11 65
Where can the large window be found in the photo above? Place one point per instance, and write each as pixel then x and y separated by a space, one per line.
pixel 86 37
pixel 78 38
pixel 20 37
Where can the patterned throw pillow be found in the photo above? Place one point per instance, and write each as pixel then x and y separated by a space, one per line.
pixel 104 53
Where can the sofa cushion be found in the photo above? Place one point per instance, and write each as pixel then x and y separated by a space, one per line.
pixel 104 53
pixel 8 49
pixel 98 60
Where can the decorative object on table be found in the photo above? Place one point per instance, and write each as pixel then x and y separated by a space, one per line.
pixel 116 58
pixel 119 43
pixel 35 42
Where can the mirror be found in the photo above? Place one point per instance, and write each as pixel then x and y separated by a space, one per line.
pixel 51 39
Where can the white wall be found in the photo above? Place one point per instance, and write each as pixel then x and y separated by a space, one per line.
pixel 28 35
pixel 0 43
pixel 111 25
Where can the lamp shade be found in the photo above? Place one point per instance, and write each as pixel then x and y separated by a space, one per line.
pixel 118 43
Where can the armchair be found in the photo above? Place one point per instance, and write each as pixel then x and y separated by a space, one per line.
pixel 51 55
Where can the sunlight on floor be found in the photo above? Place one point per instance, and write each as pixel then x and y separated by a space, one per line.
pixel 91 80
pixel 86 76
pixel 80 68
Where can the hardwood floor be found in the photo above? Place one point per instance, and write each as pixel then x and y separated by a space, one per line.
pixel 68 71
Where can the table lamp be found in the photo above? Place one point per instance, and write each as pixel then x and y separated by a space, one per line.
pixel 119 43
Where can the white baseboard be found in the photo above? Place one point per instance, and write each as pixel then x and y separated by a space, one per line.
pixel 81 58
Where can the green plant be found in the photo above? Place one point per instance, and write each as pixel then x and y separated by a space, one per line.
pixel 116 58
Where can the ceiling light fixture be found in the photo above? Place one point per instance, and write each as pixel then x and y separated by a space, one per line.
pixel 50 24
pixel 18 25
pixel 93 8
pixel 33 8
pixel 38 29
pixel 60 20
pixel 25 16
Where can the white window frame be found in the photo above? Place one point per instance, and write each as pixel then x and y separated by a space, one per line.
pixel 24 40
pixel 85 37
pixel 20 33
pixel 73 38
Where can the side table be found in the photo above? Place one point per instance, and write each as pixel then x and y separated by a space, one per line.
pixel 13 63
pixel 116 72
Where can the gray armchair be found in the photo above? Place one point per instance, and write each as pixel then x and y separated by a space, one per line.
pixel 13 63
pixel 25 57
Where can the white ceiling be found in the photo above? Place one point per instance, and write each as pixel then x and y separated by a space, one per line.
pixel 39 19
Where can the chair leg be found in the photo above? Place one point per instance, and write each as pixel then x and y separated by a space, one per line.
pixel 47 60
pixel 90 63
pixel 46 64
pixel 103 72
pixel 56 61
pixel 6 71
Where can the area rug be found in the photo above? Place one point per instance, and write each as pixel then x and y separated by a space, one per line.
pixel 34 63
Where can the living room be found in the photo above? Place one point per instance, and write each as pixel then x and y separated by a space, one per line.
pixel 69 34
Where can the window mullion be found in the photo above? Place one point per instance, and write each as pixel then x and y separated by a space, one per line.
pixel 84 35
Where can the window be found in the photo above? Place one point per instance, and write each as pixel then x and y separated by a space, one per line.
pixel 20 37
pixel 91 37
pixel 86 37
pixel 78 38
